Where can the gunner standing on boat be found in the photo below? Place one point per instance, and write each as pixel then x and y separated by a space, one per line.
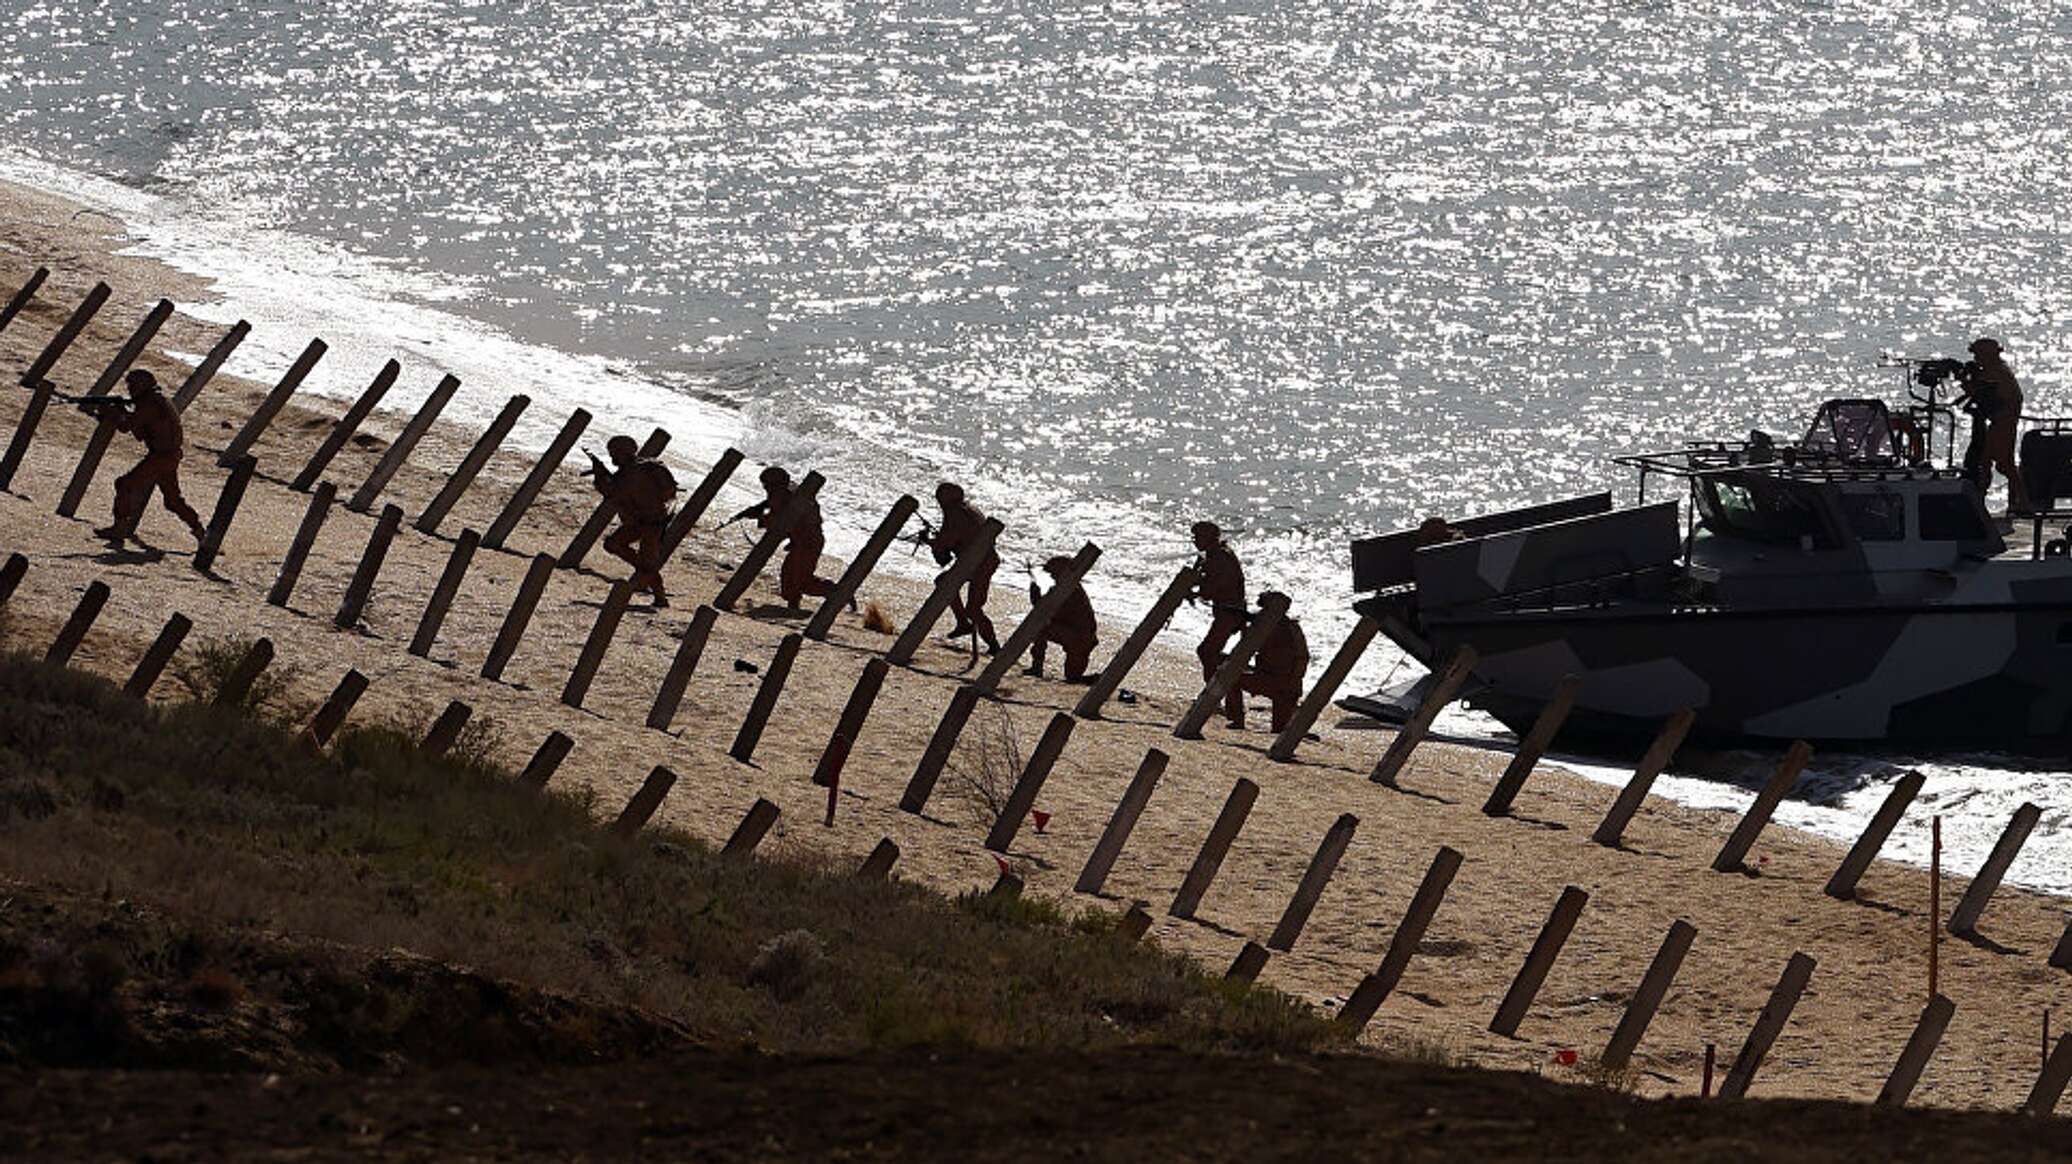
pixel 640 489
pixel 1222 586
pixel 2000 398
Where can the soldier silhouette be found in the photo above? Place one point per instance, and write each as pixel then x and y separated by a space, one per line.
pixel 1276 672
pixel 1999 397
pixel 152 419
pixel 960 524
pixel 1222 586
pixel 640 490
pixel 798 574
pixel 1072 628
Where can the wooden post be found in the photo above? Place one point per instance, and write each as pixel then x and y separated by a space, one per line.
pixel 1126 656
pixel 749 833
pixel 1041 760
pixel 513 630
pixel 759 555
pixel 22 297
pixel 1376 987
pixel 929 770
pixel 1543 731
pixel 331 716
pixel 2050 1084
pixel 878 865
pixel 1237 807
pixel 689 650
pixel 25 431
pixel 1046 608
pixel 1842 886
pixel 765 702
pixel 270 407
pixel 471 465
pixel 362 585
pixel 448 586
pixel 546 760
pixel 346 425
pixel 1928 1033
pixel 1964 922
pixel 1934 904
pixel 1413 731
pixel 1318 875
pixel 406 443
pixel 210 365
pixel 860 567
pixel 600 640
pixel 1210 700
pixel 1647 998
pixel 237 686
pixel 1247 965
pixel 1613 829
pixel 642 807
pixel 104 428
pixel 536 480
pixel 1327 685
pixel 11 575
pixel 445 730
pixel 220 518
pixel 1775 1014
pixel 1545 948
pixel 849 727
pixel 699 501
pixel 1135 923
pixel 1007 886
pixel 946 586
pixel 305 539
pixel 1124 820
pixel 1705 1079
pixel 73 325
pixel 82 621
pixel 2061 954
pixel 152 665
pixel 593 527
pixel 1781 782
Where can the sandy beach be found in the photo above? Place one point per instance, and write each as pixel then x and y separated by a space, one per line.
pixel 1864 998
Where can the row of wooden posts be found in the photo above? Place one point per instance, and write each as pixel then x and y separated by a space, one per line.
pixel 1372 990
pixel 1366 998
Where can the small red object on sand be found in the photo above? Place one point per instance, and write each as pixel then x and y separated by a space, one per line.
pixel 1566 1056
pixel 1041 818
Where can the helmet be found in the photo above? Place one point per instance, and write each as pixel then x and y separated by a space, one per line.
pixel 774 477
pixel 948 493
pixel 1057 565
pixel 140 381
pixel 1985 346
pixel 622 448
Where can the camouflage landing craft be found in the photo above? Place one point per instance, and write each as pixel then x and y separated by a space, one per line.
pixel 1843 589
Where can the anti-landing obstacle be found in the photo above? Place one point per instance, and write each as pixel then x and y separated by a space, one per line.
pixel 1327 685
pixel 1102 861
pixel 699 501
pixel 535 480
pixel 1376 987
pixel 443 593
pixel 1105 684
pixel 362 586
pixel 765 702
pixel 1647 997
pixel 66 333
pixel 688 651
pixel 1540 960
pixel 331 716
pixel 152 665
pixel 940 745
pixel 470 466
pixel 406 443
pixel 1414 730
pixel 601 633
pixel 1611 832
pixel 218 530
pixel 1964 922
pixel 1314 879
pixel 861 566
pixel 1041 760
pixel 1237 808
pixel 210 365
pixel 237 686
pixel 1542 733
pixel 512 632
pixel 22 297
pixel 271 406
pixel 305 539
pixel 1768 1025
pixel 82 620
pixel 1735 851
pixel 343 429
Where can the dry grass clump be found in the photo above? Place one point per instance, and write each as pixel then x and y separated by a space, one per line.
pixel 202 668
pixel 220 820
pixel 876 620
pixel 988 760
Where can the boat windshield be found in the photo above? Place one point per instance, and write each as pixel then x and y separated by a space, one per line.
pixel 1761 508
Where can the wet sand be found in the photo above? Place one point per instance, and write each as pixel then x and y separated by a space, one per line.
pixel 1865 994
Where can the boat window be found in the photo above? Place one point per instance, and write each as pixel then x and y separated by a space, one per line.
pixel 1950 517
pixel 1876 517
pixel 1762 509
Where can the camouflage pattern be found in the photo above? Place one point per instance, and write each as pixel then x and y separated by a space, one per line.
pixel 1866 607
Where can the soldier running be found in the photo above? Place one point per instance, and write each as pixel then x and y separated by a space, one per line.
pixel 1222 586
pixel 152 419
pixel 1276 672
pixel 960 524
pixel 798 574
pixel 1072 628
pixel 640 489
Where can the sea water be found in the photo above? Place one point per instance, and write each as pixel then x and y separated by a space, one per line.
pixel 1312 270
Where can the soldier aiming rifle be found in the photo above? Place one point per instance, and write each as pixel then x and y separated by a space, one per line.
pixel 148 416
pixel 806 536
pixel 640 490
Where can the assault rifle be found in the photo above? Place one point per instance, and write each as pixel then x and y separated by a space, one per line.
pixel 94 406
pixel 922 539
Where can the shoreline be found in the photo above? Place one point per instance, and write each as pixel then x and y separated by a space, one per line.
pixel 1838 1045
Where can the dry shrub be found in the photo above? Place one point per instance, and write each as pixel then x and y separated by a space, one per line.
pixel 988 760
pixel 875 619
pixel 1593 1071
pixel 203 669
pixel 787 964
